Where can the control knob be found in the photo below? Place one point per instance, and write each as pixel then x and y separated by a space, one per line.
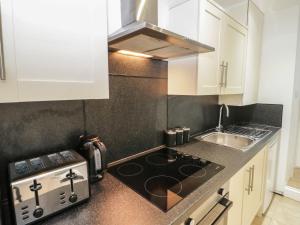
pixel 73 198
pixel 221 191
pixel 189 221
pixel 38 212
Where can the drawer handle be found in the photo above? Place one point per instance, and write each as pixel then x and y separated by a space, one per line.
pixel 252 178
pixel 226 74
pixel 222 74
pixel 248 189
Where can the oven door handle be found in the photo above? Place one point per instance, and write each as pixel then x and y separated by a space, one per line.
pixel 217 213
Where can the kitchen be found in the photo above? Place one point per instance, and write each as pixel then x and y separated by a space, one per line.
pixel 150 112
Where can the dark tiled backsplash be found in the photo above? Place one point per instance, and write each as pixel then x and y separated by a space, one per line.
pixel 134 117
pixel 196 112
pixel 201 113
pixel 131 121
pixel 268 114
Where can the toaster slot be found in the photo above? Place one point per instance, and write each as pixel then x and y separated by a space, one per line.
pixel 67 155
pixel 55 159
pixel 37 164
pixel 22 168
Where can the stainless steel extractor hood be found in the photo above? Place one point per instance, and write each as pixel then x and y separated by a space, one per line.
pixel 140 33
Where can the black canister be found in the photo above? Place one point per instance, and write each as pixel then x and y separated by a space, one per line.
pixel 186 134
pixel 170 138
pixel 179 136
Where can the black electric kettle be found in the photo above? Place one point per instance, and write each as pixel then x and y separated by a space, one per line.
pixel 94 151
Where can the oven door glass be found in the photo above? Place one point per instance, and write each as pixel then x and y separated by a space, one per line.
pixel 218 214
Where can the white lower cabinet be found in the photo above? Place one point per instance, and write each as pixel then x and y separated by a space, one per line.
pixel 54 50
pixel 236 193
pixel 246 191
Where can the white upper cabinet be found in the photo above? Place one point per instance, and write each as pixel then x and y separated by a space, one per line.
pixel 188 9
pixel 237 9
pixel 8 79
pixel 233 53
pixel 182 71
pixel 252 73
pixel 210 33
pixel 216 73
pixel 54 50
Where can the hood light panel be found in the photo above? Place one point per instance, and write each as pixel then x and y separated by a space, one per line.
pixel 125 52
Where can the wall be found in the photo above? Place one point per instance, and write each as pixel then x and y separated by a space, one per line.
pixel 277 74
pixel 199 113
pixel 298 146
pixel 296 103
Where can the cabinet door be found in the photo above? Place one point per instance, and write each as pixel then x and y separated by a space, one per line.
pixel 8 81
pixel 270 174
pixel 234 54
pixel 210 30
pixel 236 193
pixel 255 32
pixel 253 182
pixel 183 71
pixel 183 17
pixel 60 49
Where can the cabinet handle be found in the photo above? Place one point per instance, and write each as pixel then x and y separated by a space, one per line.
pixel 252 178
pixel 2 65
pixel 248 189
pixel 226 73
pixel 222 73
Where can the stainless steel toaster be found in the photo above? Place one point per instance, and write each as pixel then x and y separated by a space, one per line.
pixel 48 184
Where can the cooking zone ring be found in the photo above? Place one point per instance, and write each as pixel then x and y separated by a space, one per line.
pixel 139 169
pixel 200 173
pixel 159 178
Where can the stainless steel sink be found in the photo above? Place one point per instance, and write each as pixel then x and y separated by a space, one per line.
pixel 236 141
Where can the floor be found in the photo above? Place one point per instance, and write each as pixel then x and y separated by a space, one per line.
pixel 295 180
pixel 283 211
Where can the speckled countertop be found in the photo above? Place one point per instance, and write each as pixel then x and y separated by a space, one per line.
pixel 113 203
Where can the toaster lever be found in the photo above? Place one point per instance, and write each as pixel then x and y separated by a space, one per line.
pixel 35 188
pixel 72 176
pixel 38 212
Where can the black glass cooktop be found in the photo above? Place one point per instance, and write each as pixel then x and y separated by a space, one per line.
pixel 166 176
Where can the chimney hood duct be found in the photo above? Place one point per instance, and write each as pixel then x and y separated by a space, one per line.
pixel 140 33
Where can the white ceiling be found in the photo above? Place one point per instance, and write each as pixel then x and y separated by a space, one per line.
pixel 274 5
pixel 264 5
